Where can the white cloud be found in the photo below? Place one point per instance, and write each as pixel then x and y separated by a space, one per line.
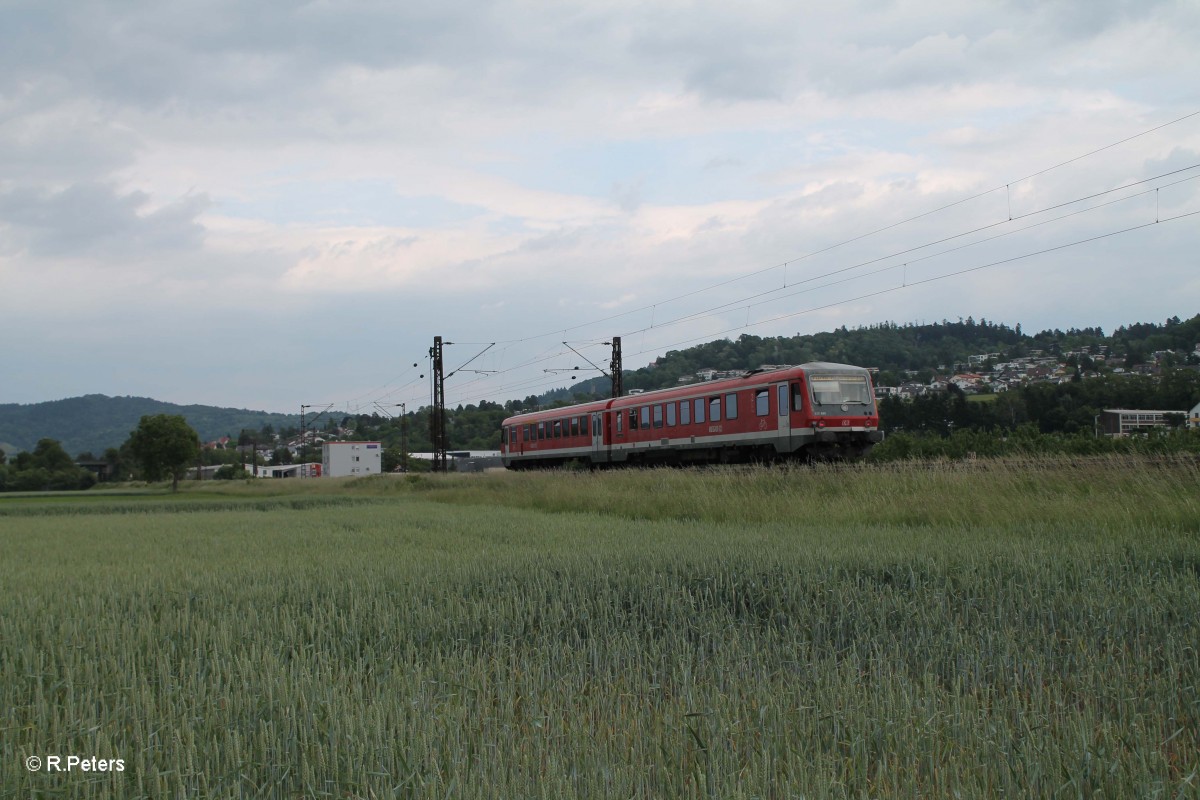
pixel 505 169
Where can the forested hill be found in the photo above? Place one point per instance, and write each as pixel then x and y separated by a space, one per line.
pixel 95 422
pixel 895 348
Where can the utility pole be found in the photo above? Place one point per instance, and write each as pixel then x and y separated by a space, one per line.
pixel 614 367
pixel 403 437
pixel 403 431
pixel 300 452
pixel 304 429
pixel 437 414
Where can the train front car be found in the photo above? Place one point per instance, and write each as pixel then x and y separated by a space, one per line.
pixel 838 416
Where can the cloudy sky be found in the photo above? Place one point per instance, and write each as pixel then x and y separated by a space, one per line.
pixel 279 203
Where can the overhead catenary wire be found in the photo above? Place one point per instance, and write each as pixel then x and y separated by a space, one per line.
pixel 734 304
pixel 874 232
pixel 789 281
pixel 908 285
pixel 740 302
pixel 912 284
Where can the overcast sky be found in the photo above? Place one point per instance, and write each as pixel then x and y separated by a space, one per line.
pixel 271 204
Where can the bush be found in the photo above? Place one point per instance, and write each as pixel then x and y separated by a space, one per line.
pixel 231 472
pixel 1026 440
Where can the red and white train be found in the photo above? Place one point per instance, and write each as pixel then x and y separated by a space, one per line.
pixel 816 410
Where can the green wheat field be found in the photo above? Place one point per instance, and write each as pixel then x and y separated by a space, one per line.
pixel 992 629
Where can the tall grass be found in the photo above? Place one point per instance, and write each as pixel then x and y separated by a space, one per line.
pixel 1110 493
pixel 686 634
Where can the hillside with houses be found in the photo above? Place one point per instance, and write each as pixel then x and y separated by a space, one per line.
pixel 914 358
pixel 985 373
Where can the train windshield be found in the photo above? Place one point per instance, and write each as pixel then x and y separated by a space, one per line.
pixel 838 389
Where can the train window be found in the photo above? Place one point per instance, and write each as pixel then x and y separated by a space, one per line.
pixel 658 416
pixel 541 431
pixel 633 419
pixel 574 426
pixel 797 398
pixel 699 409
pixel 685 412
pixel 832 389
pixel 645 416
pixel 525 433
pixel 762 402
pixel 714 409
pixel 731 406
pixel 782 399
pixel 583 425
pixel 671 415
pixel 620 420
pixel 557 429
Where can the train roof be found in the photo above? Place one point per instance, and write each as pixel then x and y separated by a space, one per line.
pixel 560 411
pixel 832 367
pixel 749 377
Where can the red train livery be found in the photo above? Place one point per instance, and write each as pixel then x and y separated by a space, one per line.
pixel 816 410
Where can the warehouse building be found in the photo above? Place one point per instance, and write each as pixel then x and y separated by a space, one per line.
pixel 340 459
pixel 1124 421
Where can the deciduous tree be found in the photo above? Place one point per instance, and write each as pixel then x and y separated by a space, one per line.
pixel 164 444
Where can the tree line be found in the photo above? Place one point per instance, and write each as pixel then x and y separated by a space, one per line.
pixel 1038 418
pixel 163 446
pixel 1067 408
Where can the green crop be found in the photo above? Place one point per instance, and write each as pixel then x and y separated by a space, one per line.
pixel 1015 629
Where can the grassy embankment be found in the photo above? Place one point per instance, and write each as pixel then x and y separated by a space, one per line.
pixel 1016 629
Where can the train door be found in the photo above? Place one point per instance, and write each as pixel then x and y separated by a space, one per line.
pixel 783 405
pixel 598 438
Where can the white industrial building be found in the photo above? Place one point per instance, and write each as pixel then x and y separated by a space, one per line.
pixel 284 470
pixel 340 459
